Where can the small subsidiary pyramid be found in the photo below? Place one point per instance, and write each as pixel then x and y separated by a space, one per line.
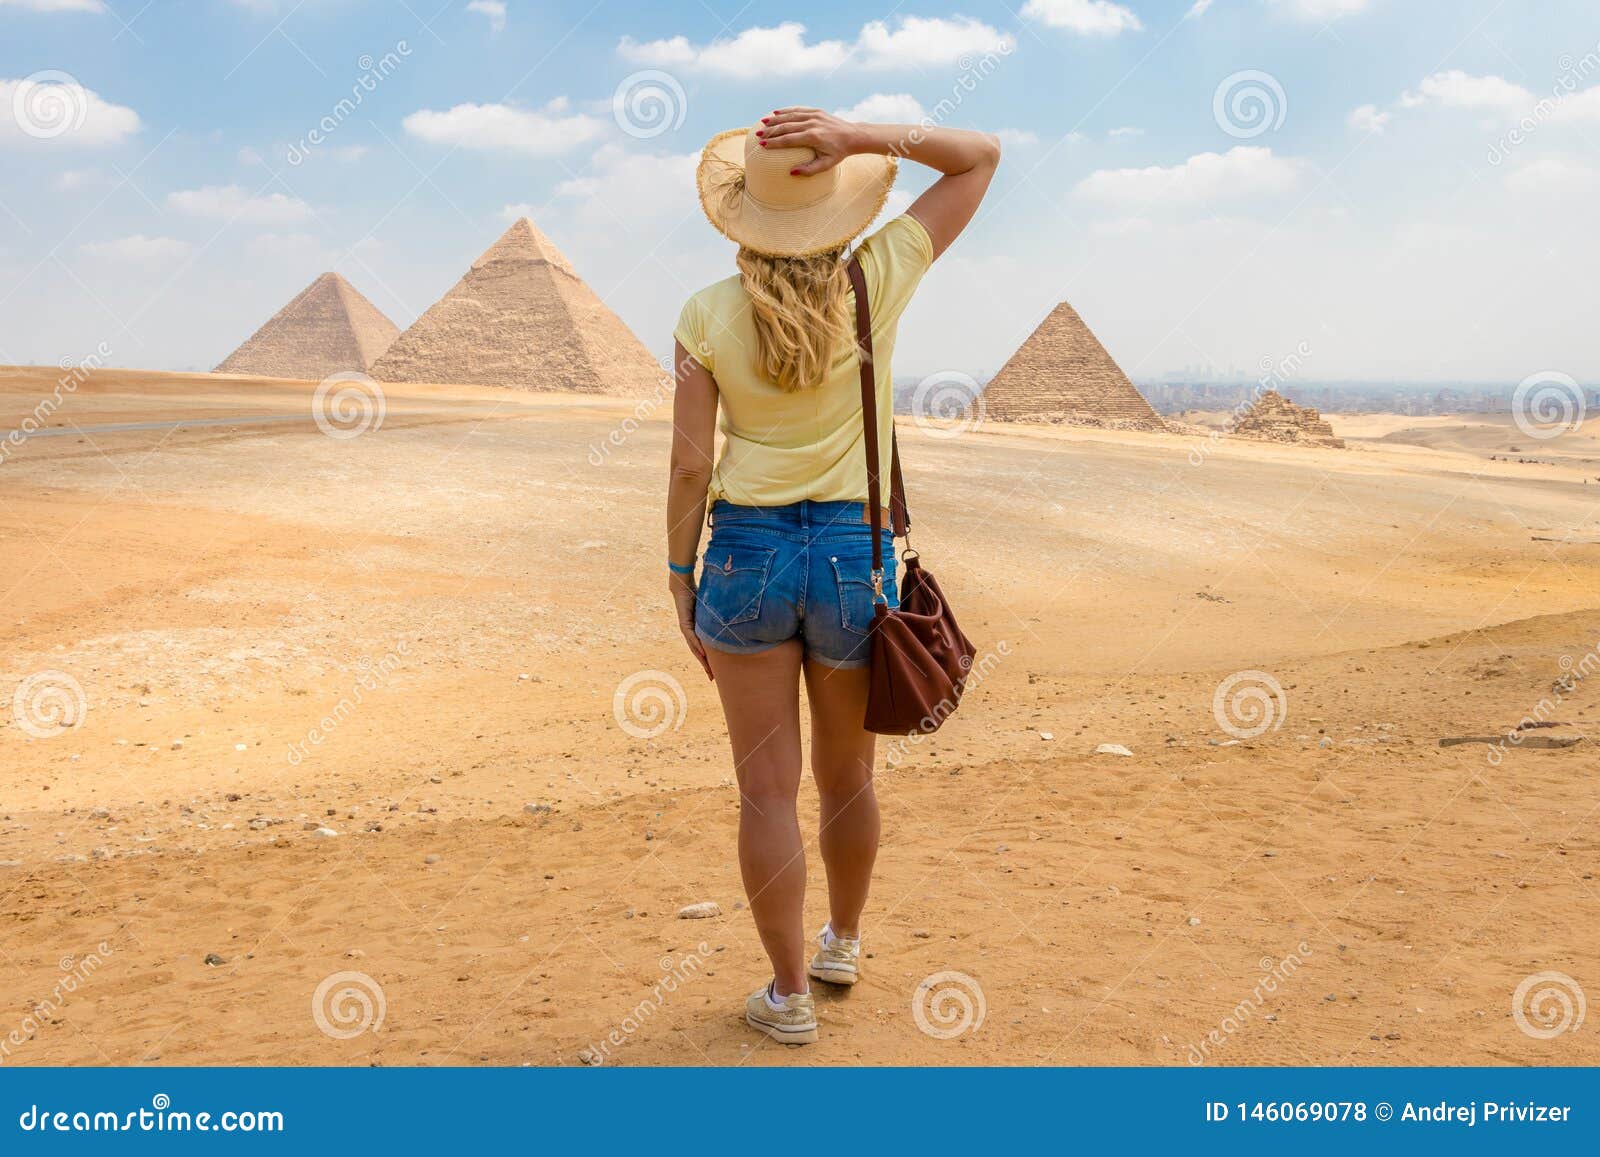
pixel 1274 418
pixel 1063 374
pixel 328 328
pixel 522 317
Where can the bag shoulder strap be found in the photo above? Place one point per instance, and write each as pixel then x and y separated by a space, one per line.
pixel 899 515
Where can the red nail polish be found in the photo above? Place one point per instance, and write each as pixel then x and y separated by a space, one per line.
pixel 763 144
pixel 794 172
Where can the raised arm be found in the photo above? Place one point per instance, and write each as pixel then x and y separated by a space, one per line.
pixel 967 159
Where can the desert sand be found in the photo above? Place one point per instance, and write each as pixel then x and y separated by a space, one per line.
pixel 415 638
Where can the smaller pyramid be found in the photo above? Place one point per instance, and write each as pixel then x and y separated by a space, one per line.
pixel 1063 374
pixel 522 317
pixel 328 328
pixel 1274 418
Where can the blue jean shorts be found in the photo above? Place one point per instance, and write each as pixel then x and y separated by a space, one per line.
pixel 802 571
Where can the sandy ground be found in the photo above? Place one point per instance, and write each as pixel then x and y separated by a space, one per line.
pixel 410 636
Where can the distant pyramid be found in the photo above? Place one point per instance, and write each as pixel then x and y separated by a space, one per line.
pixel 1063 374
pixel 1275 418
pixel 522 317
pixel 327 328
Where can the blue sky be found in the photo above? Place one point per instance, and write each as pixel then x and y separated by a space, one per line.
pixel 1369 197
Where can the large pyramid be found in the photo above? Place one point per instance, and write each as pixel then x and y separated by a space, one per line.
pixel 1063 374
pixel 522 317
pixel 327 328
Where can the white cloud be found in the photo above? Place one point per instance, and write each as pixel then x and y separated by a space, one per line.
pixel 71 179
pixel 1125 131
pixel 249 156
pixel 1321 11
pixel 1583 105
pixel 1553 174
pixel 1457 89
pixel 782 50
pixel 505 128
pixel 1085 17
pixel 57 110
pixel 626 187
pixel 138 248
pixel 495 10
pixel 1368 118
pixel 55 5
pixel 233 203
pixel 885 108
pixel 1017 137
pixel 1242 172
pixel 1197 9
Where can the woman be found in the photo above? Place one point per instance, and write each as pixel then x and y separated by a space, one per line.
pixel 786 587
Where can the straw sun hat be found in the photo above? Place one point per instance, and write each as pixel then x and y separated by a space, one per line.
pixel 749 195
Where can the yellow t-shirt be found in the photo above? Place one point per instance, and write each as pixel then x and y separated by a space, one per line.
pixel 785 447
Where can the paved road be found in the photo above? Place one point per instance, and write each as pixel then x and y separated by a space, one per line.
pixel 120 427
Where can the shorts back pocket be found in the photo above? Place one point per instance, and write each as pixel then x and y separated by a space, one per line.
pixel 732 582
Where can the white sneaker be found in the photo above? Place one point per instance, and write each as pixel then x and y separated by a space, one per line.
pixel 838 962
pixel 795 1023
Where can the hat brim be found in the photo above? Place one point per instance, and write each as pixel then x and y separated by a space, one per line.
pixel 864 181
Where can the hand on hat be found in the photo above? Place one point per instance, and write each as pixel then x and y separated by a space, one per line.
pixel 829 137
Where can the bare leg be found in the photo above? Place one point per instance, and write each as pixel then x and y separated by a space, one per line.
pixel 761 699
pixel 841 763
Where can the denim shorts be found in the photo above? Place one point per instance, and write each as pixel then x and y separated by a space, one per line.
pixel 802 571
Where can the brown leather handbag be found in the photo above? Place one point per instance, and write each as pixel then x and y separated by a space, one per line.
pixel 920 658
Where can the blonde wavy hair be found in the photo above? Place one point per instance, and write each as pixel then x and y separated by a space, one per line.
pixel 799 306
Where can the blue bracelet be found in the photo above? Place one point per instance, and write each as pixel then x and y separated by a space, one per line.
pixel 676 569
